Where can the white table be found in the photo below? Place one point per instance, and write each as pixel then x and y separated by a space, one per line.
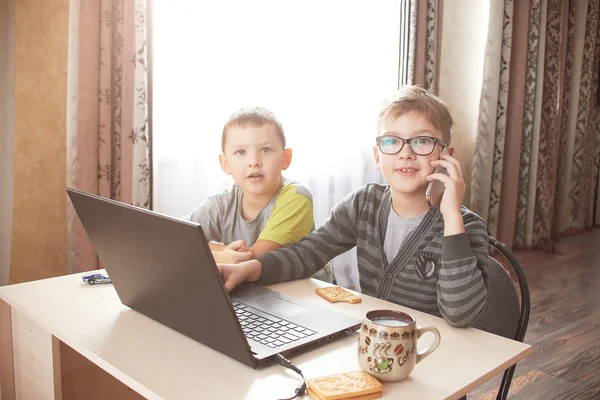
pixel 69 338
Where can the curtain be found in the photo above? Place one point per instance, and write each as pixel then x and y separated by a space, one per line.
pixel 534 70
pixel 108 143
pixel 548 136
pixel 423 42
pixel 535 174
pixel 583 177
pixel 485 188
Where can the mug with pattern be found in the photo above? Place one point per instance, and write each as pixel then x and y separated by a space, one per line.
pixel 387 344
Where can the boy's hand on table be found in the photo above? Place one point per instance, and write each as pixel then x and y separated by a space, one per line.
pixel 234 274
pixel 238 245
pixel 235 253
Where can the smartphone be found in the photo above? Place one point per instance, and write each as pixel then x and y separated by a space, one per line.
pixel 435 189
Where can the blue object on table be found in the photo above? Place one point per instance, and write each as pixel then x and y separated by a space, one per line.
pixel 92 279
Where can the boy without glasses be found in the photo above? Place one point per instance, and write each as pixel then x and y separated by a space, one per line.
pixel 432 260
pixel 262 211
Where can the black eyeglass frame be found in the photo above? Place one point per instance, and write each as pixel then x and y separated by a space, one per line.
pixel 405 141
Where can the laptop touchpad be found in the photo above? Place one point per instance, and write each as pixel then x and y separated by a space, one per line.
pixel 278 306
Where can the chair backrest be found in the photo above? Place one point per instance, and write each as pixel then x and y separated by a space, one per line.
pixel 506 312
pixel 502 309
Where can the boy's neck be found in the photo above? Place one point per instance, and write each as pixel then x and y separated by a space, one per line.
pixel 409 204
pixel 252 204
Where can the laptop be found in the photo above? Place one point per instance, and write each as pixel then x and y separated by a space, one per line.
pixel 163 268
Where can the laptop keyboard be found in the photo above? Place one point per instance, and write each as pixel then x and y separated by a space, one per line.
pixel 267 329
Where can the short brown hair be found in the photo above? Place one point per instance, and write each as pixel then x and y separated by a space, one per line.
pixel 415 99
pixel 254 117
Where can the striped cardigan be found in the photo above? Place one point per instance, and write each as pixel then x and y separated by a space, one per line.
pixel 440 275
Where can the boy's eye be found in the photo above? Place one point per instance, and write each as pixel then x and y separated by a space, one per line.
pixel 422 140
pixel 265 149
pixel 389 141
pixel 239 152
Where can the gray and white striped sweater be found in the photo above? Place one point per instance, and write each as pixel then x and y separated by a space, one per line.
pixel 433 273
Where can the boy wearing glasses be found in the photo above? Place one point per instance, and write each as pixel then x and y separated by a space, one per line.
pixel 432 260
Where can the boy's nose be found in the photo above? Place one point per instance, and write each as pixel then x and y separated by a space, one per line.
pixel 406 152
pixel 254 160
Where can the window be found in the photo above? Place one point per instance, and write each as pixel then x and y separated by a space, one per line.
pixel 323 67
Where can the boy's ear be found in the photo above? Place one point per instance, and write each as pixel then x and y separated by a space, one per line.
pixel 451 151
pixel 224 164
pixel 287 159
pixel 376 157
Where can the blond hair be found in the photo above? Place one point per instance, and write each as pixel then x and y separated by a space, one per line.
pixel 415 99
pixel 252 117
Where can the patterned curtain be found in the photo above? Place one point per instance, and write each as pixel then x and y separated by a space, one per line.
pixel 526 196
pixel 422 41
pixel 583 177
pixel 548 144
pixel 491 127
pixel 108 142
pixel 556 141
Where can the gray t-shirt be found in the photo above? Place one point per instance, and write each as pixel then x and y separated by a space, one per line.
pixel 398 229
pixel 287 218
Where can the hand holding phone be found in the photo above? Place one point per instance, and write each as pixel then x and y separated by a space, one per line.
pixel 435 189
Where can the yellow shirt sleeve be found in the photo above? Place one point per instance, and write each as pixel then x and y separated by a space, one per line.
pixel 292 217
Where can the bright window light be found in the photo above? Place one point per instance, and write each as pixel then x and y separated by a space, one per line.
pixel 323 67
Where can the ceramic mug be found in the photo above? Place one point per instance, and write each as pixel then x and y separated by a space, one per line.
pixel 387 344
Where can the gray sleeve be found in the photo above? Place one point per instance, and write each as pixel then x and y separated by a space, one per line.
pixel 208 215
pixel 461 289
pixel 304 258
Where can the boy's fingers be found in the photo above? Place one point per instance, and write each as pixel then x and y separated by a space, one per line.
pixel 236 244
pixel 242 256
pixel 454 161
pixel 229 285
pixel 453 171
pixel 440 177
pixel 222 273
pixel 234 278
pixel 226 276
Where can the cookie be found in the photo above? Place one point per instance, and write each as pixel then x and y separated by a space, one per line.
pixel 361 397
pixel 335 293
pixel 348 385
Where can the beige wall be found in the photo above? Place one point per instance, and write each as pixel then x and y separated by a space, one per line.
pixel 7 97
pixel 38 248
pixel 464 33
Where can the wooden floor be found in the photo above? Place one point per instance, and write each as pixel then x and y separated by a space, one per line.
pixel 564 327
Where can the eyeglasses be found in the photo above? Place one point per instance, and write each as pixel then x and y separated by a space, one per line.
pixel 420 145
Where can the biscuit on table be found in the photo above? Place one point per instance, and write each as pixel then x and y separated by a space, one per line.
pixel 335 293
pixel 361 397
pixel 356 385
